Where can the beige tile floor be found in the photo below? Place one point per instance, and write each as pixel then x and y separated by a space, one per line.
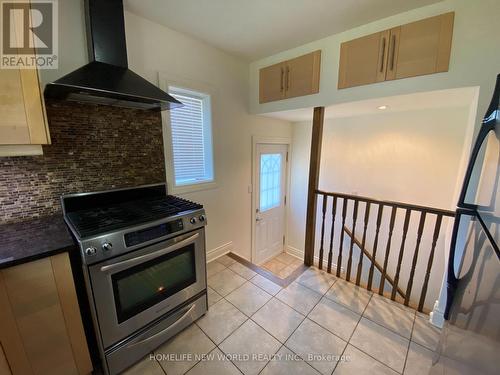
pixel 282 265
pixel 317 325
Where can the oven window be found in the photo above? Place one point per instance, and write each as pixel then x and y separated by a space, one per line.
pixel 140 287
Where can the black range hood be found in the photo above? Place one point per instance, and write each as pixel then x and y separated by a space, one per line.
pixel 107 79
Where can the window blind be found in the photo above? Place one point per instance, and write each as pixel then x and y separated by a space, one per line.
pixel 188 142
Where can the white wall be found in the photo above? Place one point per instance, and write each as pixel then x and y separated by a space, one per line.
pixel 152 49
pixel 71 39
pixel 475 60
pixel 412 157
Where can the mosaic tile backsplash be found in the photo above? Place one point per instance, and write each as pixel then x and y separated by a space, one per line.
pixel 94 147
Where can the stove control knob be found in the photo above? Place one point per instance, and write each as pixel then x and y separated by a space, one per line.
pixel 202 218
pixel 90 251
pixel 192 220
pixel 107 246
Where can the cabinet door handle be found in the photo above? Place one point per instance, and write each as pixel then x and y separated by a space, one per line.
pixel 287 78
pixel 393 50
pixel 383 56
pixel 282 78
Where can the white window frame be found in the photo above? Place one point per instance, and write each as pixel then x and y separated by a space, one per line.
pixel 206 93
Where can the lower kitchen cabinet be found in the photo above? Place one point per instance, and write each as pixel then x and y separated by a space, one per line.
pixel 41 331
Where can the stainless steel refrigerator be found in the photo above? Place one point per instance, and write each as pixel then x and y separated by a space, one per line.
pixel 470 339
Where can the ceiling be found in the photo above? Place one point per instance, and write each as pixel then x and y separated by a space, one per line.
pixel 252 29
pixel 451 98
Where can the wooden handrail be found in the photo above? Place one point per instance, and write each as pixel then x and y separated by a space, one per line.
pixel 374 262
pixel 414 207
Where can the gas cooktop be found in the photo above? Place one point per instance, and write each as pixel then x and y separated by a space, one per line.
pixel 93 214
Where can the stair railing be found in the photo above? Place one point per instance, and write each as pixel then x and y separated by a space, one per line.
pixel 379 256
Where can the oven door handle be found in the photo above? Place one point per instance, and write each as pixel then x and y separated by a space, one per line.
pixel 143 258
pixel 166 330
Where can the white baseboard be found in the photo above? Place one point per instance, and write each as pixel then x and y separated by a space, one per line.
pixel 219 251
pixel 436 317
pixel 294 251
pixel 300 254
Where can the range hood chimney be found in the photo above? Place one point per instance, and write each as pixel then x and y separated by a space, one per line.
pixel 107 79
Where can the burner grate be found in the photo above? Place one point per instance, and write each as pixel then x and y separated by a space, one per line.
pixel 104 219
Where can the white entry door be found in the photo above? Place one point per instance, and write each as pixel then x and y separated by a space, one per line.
pixel 271 160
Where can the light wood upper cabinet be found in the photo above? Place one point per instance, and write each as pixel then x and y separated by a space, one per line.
pixel 421 47
pixel 23 120
pixel 418 48
pixel 302 75
pixel 296 77
pixel 363 60
pixel 272 83
pixel 41 331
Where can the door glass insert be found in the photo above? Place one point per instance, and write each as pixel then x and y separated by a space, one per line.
pixel 140 287
pixel 270 181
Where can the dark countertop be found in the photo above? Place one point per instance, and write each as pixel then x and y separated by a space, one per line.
pixel 34 239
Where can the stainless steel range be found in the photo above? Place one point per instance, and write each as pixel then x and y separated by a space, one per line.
pixel 143 258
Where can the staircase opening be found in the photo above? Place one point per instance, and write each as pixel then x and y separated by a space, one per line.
pixel 410 150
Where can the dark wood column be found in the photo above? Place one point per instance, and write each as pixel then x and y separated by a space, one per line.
pixel 314 164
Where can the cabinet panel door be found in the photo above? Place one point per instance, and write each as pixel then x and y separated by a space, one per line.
pixel 33 105
pixel 10 340
pixel 272 83
pixel 302 75
pixel 13 123
pixel 421 47
pixel 34 301
pixel 363 60
pixel 21 101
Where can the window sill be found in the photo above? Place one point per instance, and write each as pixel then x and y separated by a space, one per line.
pixel 191 188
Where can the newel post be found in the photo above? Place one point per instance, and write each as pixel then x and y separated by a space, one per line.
pixel 314 164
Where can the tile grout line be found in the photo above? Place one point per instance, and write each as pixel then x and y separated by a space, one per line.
pixel 352 334
pixel 302 321
pixel 239 326
pixel 217 345
pixel 246 316
pixel 283 344
pixel 384 328
pixel 409 343
pixel 323 295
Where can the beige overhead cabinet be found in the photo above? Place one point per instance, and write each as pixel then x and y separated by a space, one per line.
pixel 23 120
pixel 288 79
pixel 418 48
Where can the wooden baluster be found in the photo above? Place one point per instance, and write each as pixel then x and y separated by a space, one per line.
pixel 437 229
pixel 325 201
pixel 401 252
pixel 375 244
pixel 363 241
pixel 332 231
pixel 420 231
pixel 341 245
pixel 387 250
pixel 354 219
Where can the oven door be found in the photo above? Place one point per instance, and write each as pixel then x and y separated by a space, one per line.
pixel 133 290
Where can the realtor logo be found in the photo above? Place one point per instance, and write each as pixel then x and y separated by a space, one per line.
pixel 29 34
